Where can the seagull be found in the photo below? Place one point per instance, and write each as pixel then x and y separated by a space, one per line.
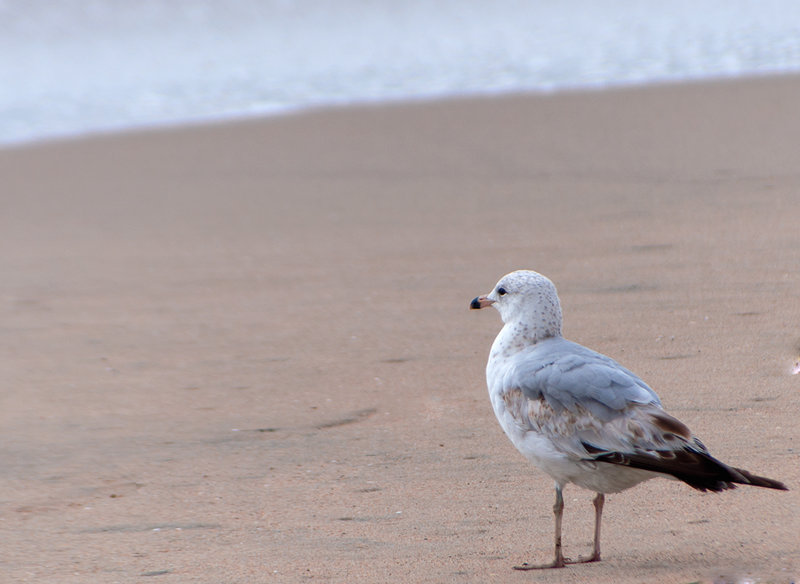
pixel 580 416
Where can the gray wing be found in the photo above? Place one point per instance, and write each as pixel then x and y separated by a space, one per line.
pixel 593 409
pixel 585 403
pixel 570 376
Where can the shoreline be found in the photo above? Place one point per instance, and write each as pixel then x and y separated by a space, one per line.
pixel 215 120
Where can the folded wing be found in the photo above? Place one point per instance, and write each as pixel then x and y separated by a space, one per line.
pixel 592 409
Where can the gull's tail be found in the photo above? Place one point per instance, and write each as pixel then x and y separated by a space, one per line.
pixel 696 468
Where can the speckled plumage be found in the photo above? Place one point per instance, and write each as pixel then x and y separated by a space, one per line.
pixel 580 416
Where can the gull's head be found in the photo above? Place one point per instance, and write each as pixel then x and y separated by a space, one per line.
pixel 527 298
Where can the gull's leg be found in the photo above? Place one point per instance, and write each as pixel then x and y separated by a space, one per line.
pixel 558 510
pixel 558 561
pixel 599 500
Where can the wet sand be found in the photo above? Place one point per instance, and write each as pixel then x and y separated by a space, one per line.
pixel 243 352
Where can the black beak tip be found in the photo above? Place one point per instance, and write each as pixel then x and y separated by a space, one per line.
pixel 475 305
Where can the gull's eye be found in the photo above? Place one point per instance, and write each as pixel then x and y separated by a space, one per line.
pixel 502 291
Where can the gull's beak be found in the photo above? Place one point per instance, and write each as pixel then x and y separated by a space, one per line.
pixel 481 302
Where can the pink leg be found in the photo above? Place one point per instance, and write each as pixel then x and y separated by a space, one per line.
pixel 599 500
pixel 560 561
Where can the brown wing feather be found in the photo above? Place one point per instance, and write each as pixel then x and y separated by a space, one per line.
pixel 689 462
pixel 699 470
pixel 641 436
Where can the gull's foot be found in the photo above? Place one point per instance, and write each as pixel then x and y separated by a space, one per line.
pixel 559 563
pixel 583 560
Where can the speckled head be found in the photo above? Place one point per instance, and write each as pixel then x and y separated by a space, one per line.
pixel 528 299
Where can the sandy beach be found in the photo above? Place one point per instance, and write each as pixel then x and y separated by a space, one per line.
pixel 243 353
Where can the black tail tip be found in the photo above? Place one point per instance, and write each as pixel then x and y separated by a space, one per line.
pixel 757 481
pixel 771 484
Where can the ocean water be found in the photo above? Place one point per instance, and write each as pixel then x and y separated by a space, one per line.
pixel 72 67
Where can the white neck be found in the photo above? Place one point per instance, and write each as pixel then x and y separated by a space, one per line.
pixel 516 336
